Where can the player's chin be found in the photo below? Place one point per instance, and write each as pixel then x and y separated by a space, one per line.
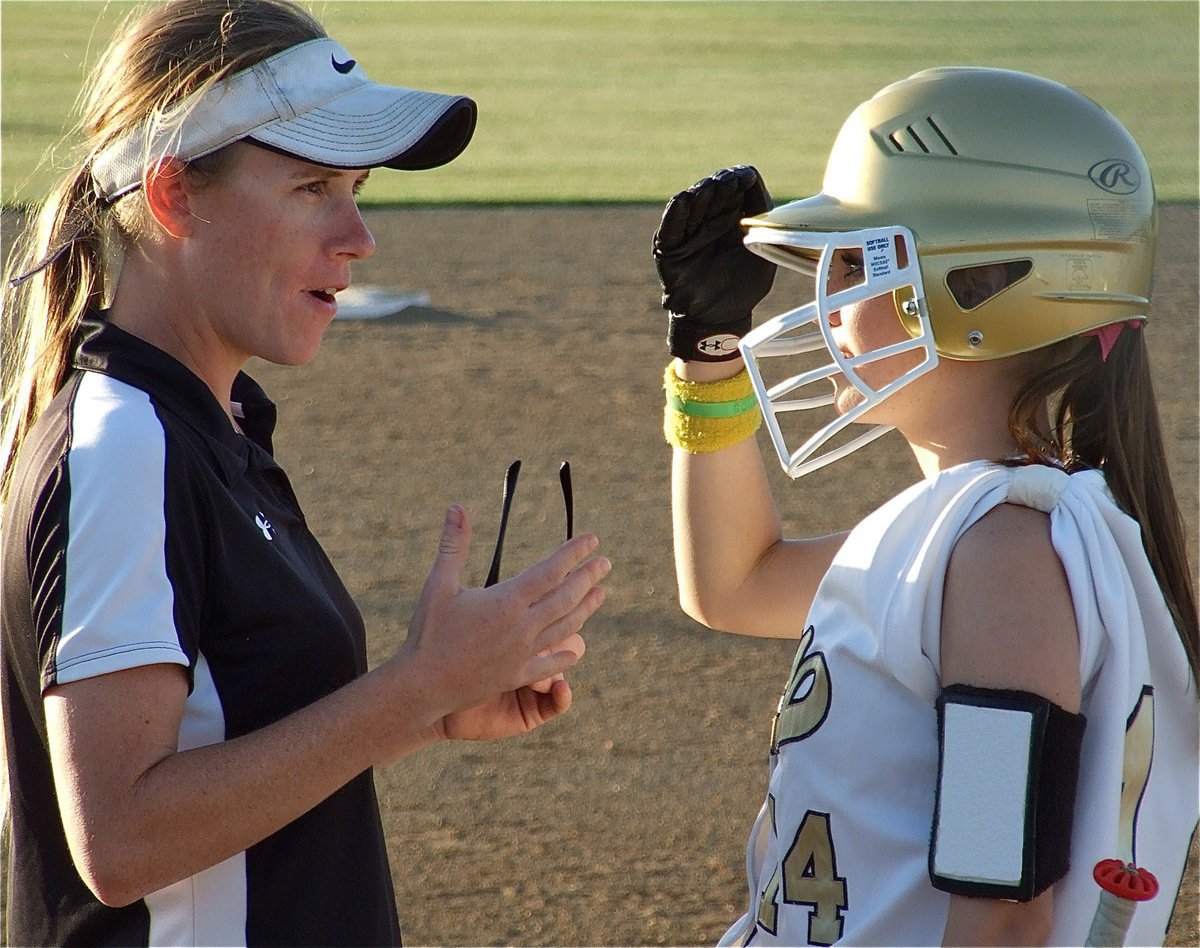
pixel 846 397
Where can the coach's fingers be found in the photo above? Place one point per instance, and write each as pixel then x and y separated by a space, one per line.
pixel 560 629
pixel 543 576
pixel 538 707
pixel 557 702
pixel 550 664
pixel 444 581
pixel 566 595
pixel 454 546
pixel 573 643
pixel 544 685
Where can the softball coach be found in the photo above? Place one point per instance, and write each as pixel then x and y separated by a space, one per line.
pixel 190 726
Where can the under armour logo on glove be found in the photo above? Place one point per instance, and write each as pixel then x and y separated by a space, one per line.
pixel 264 525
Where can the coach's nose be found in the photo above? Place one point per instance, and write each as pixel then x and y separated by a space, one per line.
pixel 354 238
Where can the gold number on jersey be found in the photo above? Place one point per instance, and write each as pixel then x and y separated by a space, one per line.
pixel 805 701
pixel 808 876
pixel 1139 751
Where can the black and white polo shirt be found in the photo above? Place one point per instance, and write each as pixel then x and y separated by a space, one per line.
pixel 142 528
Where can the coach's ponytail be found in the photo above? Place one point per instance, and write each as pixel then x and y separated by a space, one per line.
pixel 56 273
pixel 66 262
pixel 1105 416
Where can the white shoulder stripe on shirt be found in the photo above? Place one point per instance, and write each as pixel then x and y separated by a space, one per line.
pixel 118 605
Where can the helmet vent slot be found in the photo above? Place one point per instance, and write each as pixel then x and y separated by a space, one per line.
pixel 971 287
pixel 925 137
pixel 940 134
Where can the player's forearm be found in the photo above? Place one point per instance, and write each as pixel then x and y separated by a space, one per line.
pixel 725 525
pixel 196 808
pixel 734 570
pixel 723 516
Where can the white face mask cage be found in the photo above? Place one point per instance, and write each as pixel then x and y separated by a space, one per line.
pixel 882 274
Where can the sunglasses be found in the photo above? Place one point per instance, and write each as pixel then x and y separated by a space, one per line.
pixel 510 485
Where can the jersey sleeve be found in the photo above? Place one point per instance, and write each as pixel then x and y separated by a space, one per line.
pixel 103 597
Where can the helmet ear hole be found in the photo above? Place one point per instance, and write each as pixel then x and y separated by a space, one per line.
pixel 971 287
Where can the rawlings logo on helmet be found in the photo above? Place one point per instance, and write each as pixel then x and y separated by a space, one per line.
pixel 1115 175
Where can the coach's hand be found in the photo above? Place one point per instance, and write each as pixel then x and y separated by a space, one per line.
pixel 711 282
pixel 481 652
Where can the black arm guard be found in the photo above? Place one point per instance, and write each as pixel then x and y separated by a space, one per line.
pixel 1008 765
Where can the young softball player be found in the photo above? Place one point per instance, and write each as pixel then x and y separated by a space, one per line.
pixel 995 686
pixel 189 724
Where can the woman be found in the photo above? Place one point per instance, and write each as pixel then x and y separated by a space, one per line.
pixel 995 688
pixel 190 727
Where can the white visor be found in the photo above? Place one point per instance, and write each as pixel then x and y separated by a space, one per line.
pixel 312 101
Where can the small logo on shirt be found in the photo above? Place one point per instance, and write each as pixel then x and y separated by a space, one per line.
pixel 264 525
pixel 343 68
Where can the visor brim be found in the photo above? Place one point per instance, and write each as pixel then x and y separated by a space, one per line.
pixel 377 126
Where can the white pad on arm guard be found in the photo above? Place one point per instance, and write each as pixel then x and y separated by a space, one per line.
pixel 1007 771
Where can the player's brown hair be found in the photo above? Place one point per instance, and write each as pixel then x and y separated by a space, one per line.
pixel 163 53
pixel 1104 416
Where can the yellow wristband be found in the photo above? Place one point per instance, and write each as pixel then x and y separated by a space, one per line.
pixel 708 416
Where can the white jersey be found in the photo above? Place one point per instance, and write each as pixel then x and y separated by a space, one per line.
pixel 840 850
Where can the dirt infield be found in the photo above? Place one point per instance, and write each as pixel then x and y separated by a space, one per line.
pixel 625 822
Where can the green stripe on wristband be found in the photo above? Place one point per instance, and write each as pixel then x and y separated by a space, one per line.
pixel 711 409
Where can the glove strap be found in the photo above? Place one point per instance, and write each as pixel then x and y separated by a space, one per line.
pixel 705 342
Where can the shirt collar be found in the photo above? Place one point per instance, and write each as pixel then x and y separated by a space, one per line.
pixel 110 350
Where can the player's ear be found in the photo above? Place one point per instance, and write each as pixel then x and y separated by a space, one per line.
pixel 168 198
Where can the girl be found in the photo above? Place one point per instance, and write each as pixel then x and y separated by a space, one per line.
pixel 995 687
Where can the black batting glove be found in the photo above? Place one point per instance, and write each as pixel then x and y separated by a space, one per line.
pixel 711 282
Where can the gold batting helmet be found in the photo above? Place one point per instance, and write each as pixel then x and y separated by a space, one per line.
pixel 1002 212
pixel 994 166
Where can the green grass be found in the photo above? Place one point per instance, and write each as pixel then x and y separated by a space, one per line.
pixel 629 101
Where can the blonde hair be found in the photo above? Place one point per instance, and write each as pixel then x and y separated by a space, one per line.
pixel 164 53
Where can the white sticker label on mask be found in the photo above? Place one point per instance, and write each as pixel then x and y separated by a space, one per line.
pixel 879 256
